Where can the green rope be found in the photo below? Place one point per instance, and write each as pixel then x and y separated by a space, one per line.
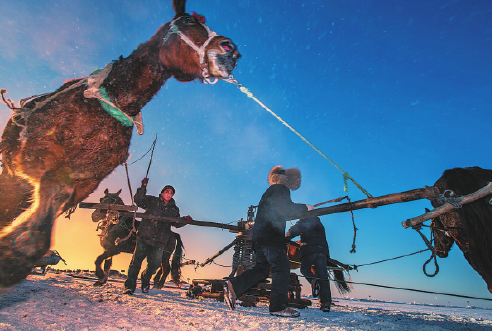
pixel 346 176
pixel 113 111
pixel 107 105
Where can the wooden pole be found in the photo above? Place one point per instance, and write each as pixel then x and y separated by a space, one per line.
pixel 106 206
pixel 486 190
pixel 232 228
pixel 210 259
pixel 417 194
pixel 128 211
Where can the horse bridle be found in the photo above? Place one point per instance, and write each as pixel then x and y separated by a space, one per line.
pixel 173 28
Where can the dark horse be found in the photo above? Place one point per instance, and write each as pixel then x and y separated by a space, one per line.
pixel 118 236
pixel 469 226
pixel 58 147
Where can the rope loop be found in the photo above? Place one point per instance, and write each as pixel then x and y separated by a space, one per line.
pixel 428 243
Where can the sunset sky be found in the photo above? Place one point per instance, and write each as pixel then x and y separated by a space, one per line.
pixel 393 92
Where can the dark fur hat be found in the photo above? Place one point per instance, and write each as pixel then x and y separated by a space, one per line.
pixel 289 177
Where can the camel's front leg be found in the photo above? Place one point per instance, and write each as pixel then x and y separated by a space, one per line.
pixel 27 238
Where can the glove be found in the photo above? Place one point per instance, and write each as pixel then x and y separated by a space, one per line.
pixel 188 218
pixel 309 207
pixel 144 182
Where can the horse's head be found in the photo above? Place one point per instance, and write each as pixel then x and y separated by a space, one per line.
pixel 112 198
pixel 442 240
pixel 108 198
pixel 190 50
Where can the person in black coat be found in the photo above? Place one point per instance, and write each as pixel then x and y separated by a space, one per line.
pixel 314 253
pixel 152 235
pixel 268 241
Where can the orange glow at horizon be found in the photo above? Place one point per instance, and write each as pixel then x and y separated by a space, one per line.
pixel 77 241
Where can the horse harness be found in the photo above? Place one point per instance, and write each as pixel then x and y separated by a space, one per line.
pixel 112 218
pixel 94 90
pixel 97 91
pixel 200 50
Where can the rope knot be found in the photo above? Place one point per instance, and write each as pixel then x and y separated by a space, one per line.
pixel 246 91
pixel 346 176
pixel 449 197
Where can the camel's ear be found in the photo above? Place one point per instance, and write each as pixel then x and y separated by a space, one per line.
pixel 106 192
pixel 118 193
pixel 179 7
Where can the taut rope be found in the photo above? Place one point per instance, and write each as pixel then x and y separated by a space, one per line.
pixel 346 176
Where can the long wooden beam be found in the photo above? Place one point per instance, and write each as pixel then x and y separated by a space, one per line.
pixel 124 211
pixel 107 206
pixel 486 190
pixel 417 194
pixel 232 228
pixel 128 211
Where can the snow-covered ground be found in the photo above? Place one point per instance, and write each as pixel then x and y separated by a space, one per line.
pixel 61 302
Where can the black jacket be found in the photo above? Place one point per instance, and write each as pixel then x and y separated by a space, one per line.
pixel 153 232
pixel 273 210
pixel 313 236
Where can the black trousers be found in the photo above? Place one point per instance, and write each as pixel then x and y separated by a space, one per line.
pixel 318 261
pixel 268 259
pixel 154 258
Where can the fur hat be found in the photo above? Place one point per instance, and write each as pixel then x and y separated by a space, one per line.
pixel 289 177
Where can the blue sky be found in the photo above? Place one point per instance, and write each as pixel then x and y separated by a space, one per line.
pixel 393 92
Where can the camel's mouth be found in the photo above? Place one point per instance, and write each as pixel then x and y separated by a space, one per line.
pixel 224 59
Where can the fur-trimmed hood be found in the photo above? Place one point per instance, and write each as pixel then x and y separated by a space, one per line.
pixel 289 177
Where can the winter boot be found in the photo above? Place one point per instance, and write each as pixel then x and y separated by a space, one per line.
pixel 128 291
pixel 325 307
